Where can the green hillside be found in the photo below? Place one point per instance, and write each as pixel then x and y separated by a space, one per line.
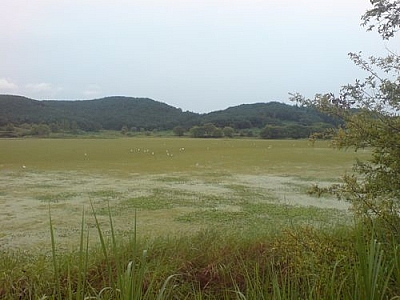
pixel 91 115
pixel 138 114
pixel 261 114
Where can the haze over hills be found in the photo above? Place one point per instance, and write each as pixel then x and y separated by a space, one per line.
pixel 113 113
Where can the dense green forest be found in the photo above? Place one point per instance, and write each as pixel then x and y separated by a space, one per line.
pixel 21 116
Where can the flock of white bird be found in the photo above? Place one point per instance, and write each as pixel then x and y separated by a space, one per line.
pixel 145 150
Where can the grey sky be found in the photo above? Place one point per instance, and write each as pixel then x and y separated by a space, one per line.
pixel 199 55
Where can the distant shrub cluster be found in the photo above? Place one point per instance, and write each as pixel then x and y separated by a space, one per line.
pixel 209 130
pixel 13 131
pixel 291 131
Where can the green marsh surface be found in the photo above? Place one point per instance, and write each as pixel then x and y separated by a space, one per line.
pixel 176 185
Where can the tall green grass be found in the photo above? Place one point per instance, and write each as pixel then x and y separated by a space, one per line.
pixel 295 263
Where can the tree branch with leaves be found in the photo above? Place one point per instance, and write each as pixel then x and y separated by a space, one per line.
pixel 370 111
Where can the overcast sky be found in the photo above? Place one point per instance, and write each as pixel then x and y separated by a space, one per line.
pixel 198 55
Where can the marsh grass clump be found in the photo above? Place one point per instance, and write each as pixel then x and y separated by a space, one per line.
pixel 174 179
pixel 105 194
pixel 264 217
pixel 55 198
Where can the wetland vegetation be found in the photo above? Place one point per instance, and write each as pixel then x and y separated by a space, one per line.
pixel 179 218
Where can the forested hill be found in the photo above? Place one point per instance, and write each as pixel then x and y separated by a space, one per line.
pixel 261 114
pixel 91 115
pixel 143 113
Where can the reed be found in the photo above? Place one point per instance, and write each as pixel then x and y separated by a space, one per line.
pixel 297 263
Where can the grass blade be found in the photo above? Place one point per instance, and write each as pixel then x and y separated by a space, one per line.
pixel 53 251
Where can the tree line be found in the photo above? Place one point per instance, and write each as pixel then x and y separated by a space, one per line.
pixel 20 116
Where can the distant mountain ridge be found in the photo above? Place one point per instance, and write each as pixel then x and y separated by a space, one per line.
pixel 115 112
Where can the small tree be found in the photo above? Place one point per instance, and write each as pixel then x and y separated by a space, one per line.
pixel 41 130
pixel 228 131
pixel 272 132
pixel 209 129
pixel 217 133
pixel 179 130
pixel 370 110
pixel 197 131
pixel 124 130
